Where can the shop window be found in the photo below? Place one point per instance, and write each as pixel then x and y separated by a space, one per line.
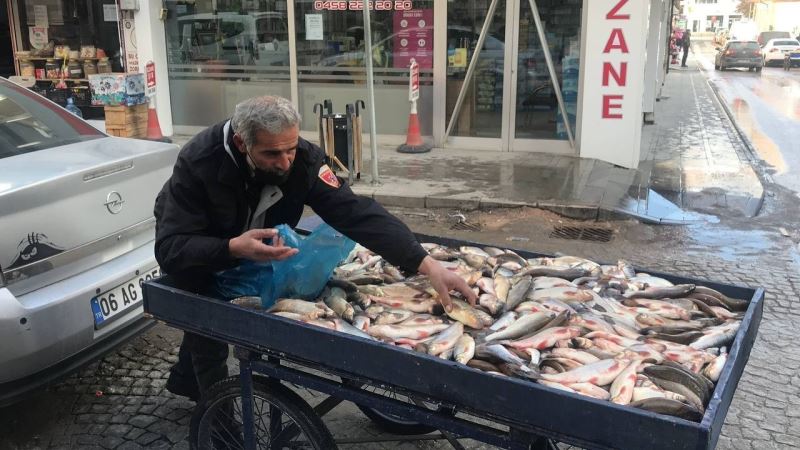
pixel 220 53
pixel 331 64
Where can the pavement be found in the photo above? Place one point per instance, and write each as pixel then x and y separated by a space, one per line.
pixel 695 167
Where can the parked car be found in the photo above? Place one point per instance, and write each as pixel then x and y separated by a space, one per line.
pixel 766 36
pixel 775 50
pixel 76 214
pixel 739 54
pixel 720 36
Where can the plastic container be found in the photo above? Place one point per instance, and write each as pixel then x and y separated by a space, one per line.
pixel 26 68
pixel 74 69
pixel 104 66
pixel 72 108
pixel 89 67
pixel 52 69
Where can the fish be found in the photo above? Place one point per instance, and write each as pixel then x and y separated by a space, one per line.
pixel 504 321
pixel 496 352
pixel 446 339
pixel 730 303
pixel 464 349
pixel 655 292
pixel 544 339
pixel 622 388
pixel 599 373
pixel 590 390
pixel 517 293
pixel 308 309
pixel 502 285
pixel 566 294
pixel 716 337
pixel 362 322
pixel 559 386
pixel 714 369
pixel 422 319
pixel 676 381
pixel 482 365
pixel 486 285
pixel 430 306
pixel 524 325
pixel 669 407
pixel 466 314
pixel 394 332
pixel 542 282
pixel 345 327
pixel 337 301
pixel 641 393
pixel 577 355
pixel 392 315
pixel 469 250
pixel 490 303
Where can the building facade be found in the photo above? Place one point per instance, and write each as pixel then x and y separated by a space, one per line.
pixel 706 16
pixel 575 77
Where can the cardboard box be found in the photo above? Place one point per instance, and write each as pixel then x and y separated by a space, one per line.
pixel 115 89
pixel 126 121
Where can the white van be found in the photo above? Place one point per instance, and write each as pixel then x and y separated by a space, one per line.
pixel 743 31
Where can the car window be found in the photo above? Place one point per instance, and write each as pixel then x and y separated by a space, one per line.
pixel 786 43
pixel 743 45
pixel 29 122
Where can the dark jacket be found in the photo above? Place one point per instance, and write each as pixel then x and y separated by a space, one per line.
pixel 207 201
pixel 686 40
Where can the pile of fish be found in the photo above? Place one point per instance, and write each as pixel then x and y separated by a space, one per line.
pixel 604 331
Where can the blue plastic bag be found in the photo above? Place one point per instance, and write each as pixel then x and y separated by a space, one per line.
pixel 248 279
pixel 301 276
pixel 306 274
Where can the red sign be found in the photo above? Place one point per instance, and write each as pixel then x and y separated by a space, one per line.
pixel 150 74
pixel 413 38
pixel 413 85
pixel 616 43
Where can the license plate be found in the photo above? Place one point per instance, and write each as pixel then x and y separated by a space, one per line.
pixel 116 301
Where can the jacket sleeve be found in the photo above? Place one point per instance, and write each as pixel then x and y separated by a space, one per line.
pixel 364 221
pixel 183 238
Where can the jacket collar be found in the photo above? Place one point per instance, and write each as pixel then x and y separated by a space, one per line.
pixel 230 171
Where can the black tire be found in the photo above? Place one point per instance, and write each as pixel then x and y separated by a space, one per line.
pixel 388 422
pixel 758 69
pixel 269 399
pixel 721 68
pixel 716 67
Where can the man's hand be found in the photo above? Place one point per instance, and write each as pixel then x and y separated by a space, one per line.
pixel 443 281
pixel 250 246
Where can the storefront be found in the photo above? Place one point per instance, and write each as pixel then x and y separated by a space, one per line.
pixel 61 42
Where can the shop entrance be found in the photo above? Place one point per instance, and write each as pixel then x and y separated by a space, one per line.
pixel 505 90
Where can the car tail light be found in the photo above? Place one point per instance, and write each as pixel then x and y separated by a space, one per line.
pixel 774 50
pixel 729 52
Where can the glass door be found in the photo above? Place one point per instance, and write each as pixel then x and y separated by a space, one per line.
pixel 506 92
pixel 537 120
pixel 479 95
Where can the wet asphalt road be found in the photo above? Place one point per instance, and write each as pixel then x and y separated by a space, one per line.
pixel 766 107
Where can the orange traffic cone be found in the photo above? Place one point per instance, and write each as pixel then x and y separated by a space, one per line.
pixel 414 142
pixel 153 127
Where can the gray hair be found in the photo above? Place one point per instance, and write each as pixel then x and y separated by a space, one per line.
pixel 268 113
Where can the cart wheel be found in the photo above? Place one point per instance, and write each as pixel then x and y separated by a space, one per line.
pixel 390 422
pixel 283 419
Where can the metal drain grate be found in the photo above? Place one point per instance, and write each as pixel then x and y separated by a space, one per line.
pixel 582 233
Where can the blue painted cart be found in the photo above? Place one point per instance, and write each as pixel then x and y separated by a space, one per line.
pixel 258 410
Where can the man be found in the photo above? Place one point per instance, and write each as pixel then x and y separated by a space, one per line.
pixel 236 180
pixel 686 41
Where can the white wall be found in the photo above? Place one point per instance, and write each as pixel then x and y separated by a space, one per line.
pixel 611 119
pixel 152 46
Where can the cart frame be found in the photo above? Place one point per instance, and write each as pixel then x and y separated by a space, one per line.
pixel 514 413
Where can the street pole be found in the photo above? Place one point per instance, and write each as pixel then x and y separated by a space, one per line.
pixel 373 135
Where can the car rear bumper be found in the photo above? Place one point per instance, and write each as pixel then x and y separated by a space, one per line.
pixel 51 330
pixel 742 62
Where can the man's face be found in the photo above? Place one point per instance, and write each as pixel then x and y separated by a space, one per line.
pixel 273 154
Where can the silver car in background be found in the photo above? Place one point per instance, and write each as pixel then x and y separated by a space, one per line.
pixel 76 238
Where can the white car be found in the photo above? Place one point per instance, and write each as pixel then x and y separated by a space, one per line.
pixel 775 49
pixel 76 214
